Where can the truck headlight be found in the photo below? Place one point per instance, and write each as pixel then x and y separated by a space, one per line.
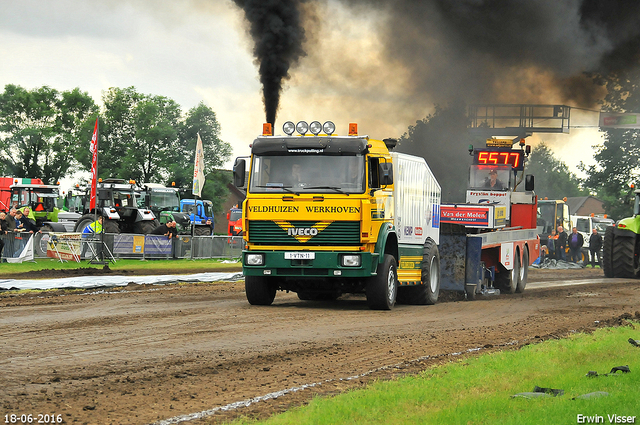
pixel 350 260
pixel 254 259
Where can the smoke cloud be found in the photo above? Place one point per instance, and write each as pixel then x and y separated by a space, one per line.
pixel 278 36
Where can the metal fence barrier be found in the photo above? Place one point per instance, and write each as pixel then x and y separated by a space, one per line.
pixel 131 246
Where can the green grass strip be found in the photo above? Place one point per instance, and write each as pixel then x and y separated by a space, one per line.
pixel 478 390
pixel 186 265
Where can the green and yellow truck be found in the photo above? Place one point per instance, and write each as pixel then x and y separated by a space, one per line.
pixel 327 214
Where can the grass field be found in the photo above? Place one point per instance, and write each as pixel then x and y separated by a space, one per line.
pixel 479 390
pixel 185 265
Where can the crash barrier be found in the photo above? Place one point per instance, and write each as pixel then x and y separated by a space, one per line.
pixel 15 244
pixel 72 246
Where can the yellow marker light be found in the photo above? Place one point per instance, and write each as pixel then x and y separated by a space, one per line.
pixel 353 129
pixel 267 129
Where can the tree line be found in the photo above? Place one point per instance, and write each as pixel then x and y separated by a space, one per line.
pixel 45 133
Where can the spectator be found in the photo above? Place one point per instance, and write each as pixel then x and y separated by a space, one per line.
pixel 595 244
pixel 168 230
pixel 575 245
pixel 11 220
pixel 23 224
pixel 551 244
pixel 89 231
pixel 3 230
pixel 561 245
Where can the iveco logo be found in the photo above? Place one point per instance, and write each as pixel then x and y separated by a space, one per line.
pixel 302 231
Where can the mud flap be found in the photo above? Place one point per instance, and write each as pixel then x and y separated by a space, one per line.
pixel 460 261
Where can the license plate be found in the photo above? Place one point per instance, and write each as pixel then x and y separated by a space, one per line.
pixel 299 255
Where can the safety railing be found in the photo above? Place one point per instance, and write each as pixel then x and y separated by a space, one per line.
pixel 72 246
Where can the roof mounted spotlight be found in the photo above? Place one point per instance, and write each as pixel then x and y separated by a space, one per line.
pixel 288 128
pixel 302 127
pixel 315 127
pixel 329 128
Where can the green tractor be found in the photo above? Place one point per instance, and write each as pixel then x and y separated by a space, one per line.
pixel 621 245
pixel 164 202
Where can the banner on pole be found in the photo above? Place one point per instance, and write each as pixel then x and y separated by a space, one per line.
pixel 93 148
pixel 198 169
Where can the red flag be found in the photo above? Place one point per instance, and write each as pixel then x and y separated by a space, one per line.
pixel 93 148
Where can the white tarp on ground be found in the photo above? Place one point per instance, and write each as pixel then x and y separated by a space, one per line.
pixel 88 282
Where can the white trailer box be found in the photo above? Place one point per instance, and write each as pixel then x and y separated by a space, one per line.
pixel 416 200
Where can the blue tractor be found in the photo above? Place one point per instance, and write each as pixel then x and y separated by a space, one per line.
pixel 201 212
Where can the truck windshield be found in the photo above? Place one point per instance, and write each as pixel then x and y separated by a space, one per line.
pixel 489 178
pixel 165 201
pixel 235 215
pixel 308 173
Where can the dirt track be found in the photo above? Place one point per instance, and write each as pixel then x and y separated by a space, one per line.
pixel 143 354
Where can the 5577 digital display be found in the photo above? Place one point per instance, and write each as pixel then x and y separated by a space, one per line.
pixel 499 157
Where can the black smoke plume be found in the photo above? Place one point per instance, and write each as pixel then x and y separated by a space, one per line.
pixel 278 35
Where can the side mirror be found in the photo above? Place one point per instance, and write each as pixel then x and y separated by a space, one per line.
pixel 385 172
pixel 239 168
pixel 228 215
pixel 529 181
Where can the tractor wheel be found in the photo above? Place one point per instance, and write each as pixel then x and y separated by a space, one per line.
pixel 260 290
pixel 524 272
pixel 507 281
pixel 42 242
pixel 607 252
pixel 110 226
pixel 83 222
pixel 203 231
pixel 426 293
pixel 623 256
pixel 382 289
pixel 144 227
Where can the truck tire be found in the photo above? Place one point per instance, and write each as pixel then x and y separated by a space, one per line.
pixel 427 293
pixel 382 289
pixel 202 231
pixel 506 280
pixel 607 252
pixel 144 227
pixel 524 272
pixel 260 290
pixel 623 256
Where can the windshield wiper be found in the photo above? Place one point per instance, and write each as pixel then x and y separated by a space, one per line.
pixel 337 189
pixel 280 187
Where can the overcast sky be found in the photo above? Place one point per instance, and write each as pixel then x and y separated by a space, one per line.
pixel 193 51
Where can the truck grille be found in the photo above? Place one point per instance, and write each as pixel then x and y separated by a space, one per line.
pixel 337 233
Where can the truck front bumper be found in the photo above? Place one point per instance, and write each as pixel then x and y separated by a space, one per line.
pixel 323 265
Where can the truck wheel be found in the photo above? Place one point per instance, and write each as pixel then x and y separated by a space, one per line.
pixel 260 290
pixel 524 272
pixel 382 289
pixel 202 231
pixel 623 256
pixel 607 252
pixel 144 227
pixel 508 280
pixel 427 293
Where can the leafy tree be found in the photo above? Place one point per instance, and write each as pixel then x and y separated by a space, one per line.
pixel 41 129
pixel 552 176
pixel 618 158
pixel 200 119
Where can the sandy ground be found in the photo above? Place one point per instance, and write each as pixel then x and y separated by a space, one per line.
pixel 144 354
